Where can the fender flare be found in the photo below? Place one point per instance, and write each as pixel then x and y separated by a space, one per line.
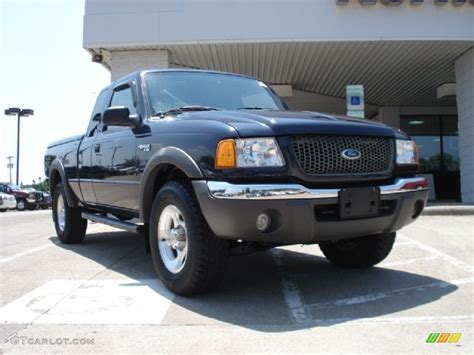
pixel 167 155
pixel 57 166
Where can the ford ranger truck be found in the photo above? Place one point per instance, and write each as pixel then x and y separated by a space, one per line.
pixel 206 165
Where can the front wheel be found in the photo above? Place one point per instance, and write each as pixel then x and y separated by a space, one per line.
pixel 359 252
pixel 188 257
pixel 21 204
pixel 70 226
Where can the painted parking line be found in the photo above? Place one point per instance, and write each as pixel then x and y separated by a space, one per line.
pixel 301 312
pixel 398 320
pixel 407 261
pixel 91 302
pixel 372 297
pixel 26 252
pixel 291 293
pixel 443 256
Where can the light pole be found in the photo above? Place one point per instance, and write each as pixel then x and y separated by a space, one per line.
pixel 12 111
pixel 10 166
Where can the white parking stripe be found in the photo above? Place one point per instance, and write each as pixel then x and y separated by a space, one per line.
pixel 26 252
pixel 402 243
pixel 398 320
pixel 291 292
pixel 91 302
pixel 387 294
pixel 445 257
pixel 408 261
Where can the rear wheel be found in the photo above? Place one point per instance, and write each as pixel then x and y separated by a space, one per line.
pixel 188 257
pixel 70 226
pixel 359 252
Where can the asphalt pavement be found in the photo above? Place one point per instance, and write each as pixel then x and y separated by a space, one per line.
pixel 103 296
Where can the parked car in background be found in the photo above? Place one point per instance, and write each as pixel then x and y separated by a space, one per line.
pixel 25 198
pixel 45 203
pixel 7 202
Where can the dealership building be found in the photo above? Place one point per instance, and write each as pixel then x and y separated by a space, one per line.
pixel 414 58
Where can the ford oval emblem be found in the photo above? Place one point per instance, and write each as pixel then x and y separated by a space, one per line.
pixel 351 154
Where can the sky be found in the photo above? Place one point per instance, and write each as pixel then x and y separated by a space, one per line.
pixel 43 67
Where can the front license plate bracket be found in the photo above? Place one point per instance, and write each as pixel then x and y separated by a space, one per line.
pixel 359 202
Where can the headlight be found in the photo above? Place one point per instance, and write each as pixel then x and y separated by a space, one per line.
pixel 248 153
pixel 407 152
pixel 256 152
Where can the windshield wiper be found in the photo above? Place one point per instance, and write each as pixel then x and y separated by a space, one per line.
pixel 189 108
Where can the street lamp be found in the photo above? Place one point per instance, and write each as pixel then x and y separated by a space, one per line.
pixel 12 111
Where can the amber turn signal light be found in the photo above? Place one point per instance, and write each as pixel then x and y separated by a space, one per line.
pixel 225 155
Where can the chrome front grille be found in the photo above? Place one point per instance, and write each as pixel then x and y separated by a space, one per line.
pixel 322 155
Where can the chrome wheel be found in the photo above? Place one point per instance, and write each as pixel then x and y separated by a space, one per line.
pixel 172 239
pixel 61 212
pixel 20 206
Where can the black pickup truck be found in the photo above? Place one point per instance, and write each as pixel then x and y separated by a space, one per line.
pixel 206 164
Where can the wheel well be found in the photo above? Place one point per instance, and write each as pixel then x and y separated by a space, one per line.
pixel 162 174
pixel 54 179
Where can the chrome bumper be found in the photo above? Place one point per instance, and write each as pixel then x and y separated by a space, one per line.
pixel 224 190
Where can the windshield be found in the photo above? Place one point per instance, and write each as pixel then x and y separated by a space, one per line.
pixel 172 90
pixel 14 187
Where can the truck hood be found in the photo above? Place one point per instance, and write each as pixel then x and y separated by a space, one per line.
pixel 23 192
pixel 279 123
pixel 66 140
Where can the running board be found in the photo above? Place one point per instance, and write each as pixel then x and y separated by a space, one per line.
pixel 129 227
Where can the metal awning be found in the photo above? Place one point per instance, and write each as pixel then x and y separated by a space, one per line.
pixel 394 73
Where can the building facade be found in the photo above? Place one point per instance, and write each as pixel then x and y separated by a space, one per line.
pixel 415 59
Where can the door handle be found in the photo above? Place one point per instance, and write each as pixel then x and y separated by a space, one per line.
pixel 97 148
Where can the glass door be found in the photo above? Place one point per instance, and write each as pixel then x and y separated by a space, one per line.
pixel 437 140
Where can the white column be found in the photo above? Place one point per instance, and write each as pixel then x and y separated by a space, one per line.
pixel 390 116
pixel 125 62
pixel 464 67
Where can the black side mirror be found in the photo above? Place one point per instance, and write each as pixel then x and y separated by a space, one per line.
pixel 119 116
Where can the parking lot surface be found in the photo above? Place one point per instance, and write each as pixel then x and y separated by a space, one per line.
pixel 102 296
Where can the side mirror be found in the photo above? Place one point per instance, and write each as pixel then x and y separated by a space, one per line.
pixel 119 116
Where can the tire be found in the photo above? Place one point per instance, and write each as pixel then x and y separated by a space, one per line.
pixel 359 252
pixel 205 256
pixel 34 207
pixel 21 204
pixel 70 226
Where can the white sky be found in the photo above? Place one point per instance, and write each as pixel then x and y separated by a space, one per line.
pixel 43 67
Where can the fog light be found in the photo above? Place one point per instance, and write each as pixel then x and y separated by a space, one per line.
pixel 263 222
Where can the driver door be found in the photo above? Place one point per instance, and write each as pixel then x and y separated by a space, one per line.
pixel 114 158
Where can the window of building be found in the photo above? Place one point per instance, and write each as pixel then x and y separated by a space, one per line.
pixel 437 140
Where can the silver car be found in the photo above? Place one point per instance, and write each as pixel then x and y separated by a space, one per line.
pixel 7 202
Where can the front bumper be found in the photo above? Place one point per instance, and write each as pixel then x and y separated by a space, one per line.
pixel 301 215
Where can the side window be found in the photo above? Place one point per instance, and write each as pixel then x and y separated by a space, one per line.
pixel 2 188
pixel 124 97
pixel 99 107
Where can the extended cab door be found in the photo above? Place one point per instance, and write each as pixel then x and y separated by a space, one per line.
pixel 116 182
pixel 87 171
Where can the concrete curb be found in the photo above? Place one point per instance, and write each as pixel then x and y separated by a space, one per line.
pixel 449 210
